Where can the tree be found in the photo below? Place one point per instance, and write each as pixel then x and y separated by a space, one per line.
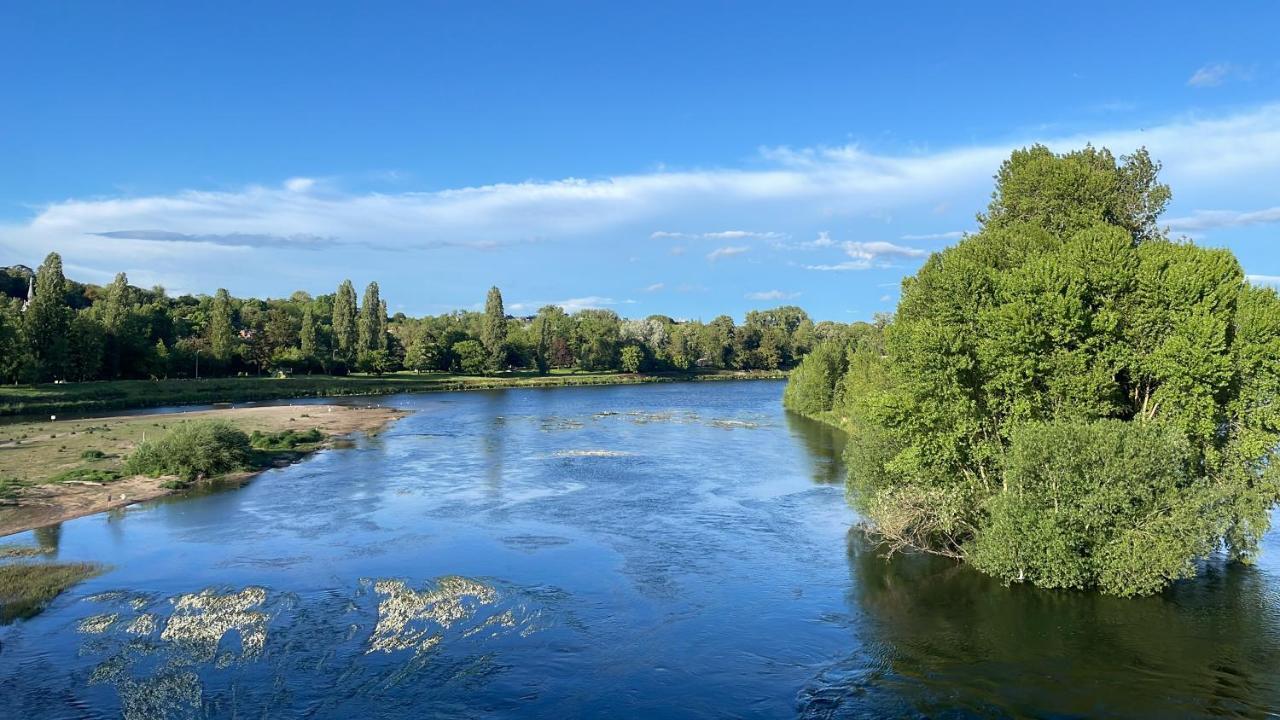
pixel 632 358
pixel 307 334
pixel 1067 397
pixel 597 338
pixel 48 318
pixel 493 330
pixel 471 356
pixel 221 330
pixel 86 341
pixel 15 352
pixel 344 322
pixel 116 304
pixel 370 330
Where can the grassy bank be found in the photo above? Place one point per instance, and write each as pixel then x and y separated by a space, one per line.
pixel 124 394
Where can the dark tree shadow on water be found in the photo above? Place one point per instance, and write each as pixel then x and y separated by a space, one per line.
pixel 938 639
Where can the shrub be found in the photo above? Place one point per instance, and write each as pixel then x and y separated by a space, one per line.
pixel 192 449
pixel 92 455
pixel 285 439
pixel 632 359
pixel 86 474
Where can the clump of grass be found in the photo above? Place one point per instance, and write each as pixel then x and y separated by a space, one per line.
pixel 191 450
pixel 87 474
pixel 27 588
pixel 92 455
pixel 284 439
pixel 9 487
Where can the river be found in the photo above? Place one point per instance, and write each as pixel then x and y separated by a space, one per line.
pixel 679 550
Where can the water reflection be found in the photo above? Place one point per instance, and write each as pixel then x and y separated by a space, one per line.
pixel 825 445
pixel 48 537
pixel 940 639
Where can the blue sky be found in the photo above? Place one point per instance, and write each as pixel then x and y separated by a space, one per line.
pixel 686 158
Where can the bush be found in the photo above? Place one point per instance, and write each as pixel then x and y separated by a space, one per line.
pixel 191 450
pixel 632 359
pixel 86 474
pixel 285 439
pixel 92 455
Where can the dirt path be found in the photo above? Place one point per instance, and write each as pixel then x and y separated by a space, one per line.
pixel 35 452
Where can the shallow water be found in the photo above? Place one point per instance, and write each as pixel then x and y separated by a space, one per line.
pixel 641 551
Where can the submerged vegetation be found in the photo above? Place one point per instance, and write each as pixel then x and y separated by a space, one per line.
pixel 26 588
pixel 1067 397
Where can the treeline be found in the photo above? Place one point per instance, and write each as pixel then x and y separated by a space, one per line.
pixel 1067 397
pixel 56 329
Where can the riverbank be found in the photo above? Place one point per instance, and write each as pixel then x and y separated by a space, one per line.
pixel 53 471
pixel 38 400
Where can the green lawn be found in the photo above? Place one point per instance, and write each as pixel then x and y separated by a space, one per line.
pixel 122 394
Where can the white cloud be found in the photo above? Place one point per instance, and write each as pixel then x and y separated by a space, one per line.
pixel 772 295
pixel 719 235
pixel 655 287
pixel 1209 219
pixel 570 305
pixel 727 251
pixel 1269 280
pixel 873 250
pixel 198 239
pixel 953 235
pixel 1210 75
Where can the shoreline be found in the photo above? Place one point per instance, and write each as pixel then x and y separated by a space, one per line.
pixel 48 503
pixel 84 399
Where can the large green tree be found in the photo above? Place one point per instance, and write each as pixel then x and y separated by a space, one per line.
pixel 493 330
pixel 1067 397
pixel 371 333
pixel 221 331
pixel 48 319
pixel 344 323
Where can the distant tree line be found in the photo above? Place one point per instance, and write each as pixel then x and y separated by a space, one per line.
pixel 1067 397
pixel 56 329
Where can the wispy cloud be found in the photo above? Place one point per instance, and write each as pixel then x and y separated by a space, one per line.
pixel 570 305
pixel 953 235
pixel 719 235
pixel 1211 75
pixel 1268 280
pixel 1209 219
pixel 866 255
pixel 806 187
pixel 772 295
pixel 655 287
pixel 727 251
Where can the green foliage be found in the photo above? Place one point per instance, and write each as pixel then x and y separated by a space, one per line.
pixel 92 455
pixel 284 439
pixel 26 588
pixel 371 327
pixel 472 357
pixel 191 450
pixel 632 359
pixel 375 362
pixel 344 322
pixel 493 330
pixel 222 338
pixel 48 319
pixel 87 474
pixel 1066 398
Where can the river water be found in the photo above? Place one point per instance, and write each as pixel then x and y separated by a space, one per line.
pixel 677 550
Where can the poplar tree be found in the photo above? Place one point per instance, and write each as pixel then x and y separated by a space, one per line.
pixel 368 325
pixel 493 330
pixel 222 338
pixel 117 301
pixel 48 319
pixel 307 335
pixel 344 322
pixel 381 337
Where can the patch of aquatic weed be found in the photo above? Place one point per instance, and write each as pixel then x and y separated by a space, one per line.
pixel 12 550
pixel 27 588
pixel 725 424
pixel 169 694
pixel 412 620
pixel 199 621
pixel 591 453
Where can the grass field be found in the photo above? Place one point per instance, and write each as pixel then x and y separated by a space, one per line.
pixel 43 400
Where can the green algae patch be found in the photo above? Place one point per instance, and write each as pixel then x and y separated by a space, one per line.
pixel 27 588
